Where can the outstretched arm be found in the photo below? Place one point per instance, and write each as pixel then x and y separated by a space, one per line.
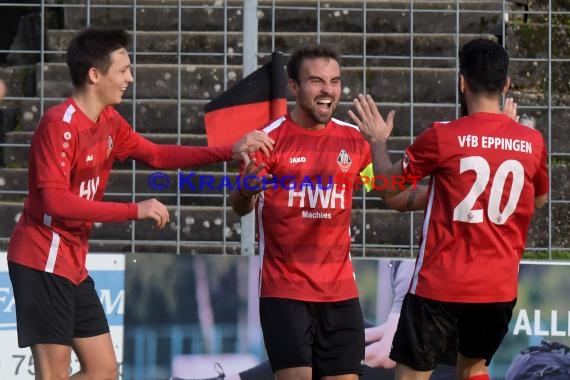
pixel 176 156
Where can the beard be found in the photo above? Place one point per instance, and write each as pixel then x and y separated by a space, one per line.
pixel 321 119
pixel 315 115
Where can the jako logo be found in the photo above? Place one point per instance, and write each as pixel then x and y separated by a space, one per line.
pixel 297 160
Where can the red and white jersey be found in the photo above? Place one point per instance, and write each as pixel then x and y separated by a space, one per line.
pixel 485 173
pixel 70 162
pixel 68 151
pixel 304 230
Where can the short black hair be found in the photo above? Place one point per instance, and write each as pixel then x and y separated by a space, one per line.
pixel 92 47
pixel 484 65
pixel 308 52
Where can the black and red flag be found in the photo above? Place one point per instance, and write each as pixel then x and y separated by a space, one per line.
pixel 249 104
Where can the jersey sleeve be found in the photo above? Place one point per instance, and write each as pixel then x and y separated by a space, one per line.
pixel 422 157
pixel 163 156
pixel 61 203
pixel 53 151
pixel 540 180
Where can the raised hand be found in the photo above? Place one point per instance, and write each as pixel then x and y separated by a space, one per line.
pixel 252 142
pixel 153 209
pixel 370 121
pixel 510 109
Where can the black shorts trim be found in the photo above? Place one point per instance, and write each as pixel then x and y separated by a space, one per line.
pixel 326 336
pixel 52 309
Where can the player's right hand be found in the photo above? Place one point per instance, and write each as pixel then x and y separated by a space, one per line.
pixel 153 209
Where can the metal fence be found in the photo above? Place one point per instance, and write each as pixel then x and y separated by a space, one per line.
pixel 186 52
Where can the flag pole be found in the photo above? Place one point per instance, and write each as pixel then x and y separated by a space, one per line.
pixel 249 66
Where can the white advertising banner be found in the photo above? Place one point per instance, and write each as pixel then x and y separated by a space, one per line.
pixel 108 272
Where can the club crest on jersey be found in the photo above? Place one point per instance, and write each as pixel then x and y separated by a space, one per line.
pixel 343 160
pixel 109 146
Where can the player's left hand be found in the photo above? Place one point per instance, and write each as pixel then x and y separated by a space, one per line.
pixel 379 343
pixel 369 120
pixel 377 355
pixel 510 109
pixel 253 141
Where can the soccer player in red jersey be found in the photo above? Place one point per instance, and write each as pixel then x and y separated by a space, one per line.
pixel 72 152
pixel 487 175
pixel 309 309
pixel 310 313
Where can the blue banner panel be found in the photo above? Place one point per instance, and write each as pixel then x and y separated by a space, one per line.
pixel 185 313
pixel 108 272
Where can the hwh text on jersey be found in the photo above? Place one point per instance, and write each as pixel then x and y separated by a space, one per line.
pixel 88 189
pixel 317 196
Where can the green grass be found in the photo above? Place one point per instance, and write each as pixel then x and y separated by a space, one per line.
pixel 543 255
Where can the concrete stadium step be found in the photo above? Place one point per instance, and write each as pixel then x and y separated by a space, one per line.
pixel 151 115
pixel 203 186
pixel 204 82
pixel 161 116
pixel 16 155
pixel 206 226
pixel 19 80
pixel 196 186
pixel 342 16
pixel 530 40
pixel 16 149
pixel 205 47
pixel 207 223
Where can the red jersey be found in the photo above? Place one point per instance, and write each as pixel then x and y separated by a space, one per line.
pixel 485 173
pixel 304 222
pixel 70 162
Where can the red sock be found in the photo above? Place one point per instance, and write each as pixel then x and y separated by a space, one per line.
pixel 479 377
